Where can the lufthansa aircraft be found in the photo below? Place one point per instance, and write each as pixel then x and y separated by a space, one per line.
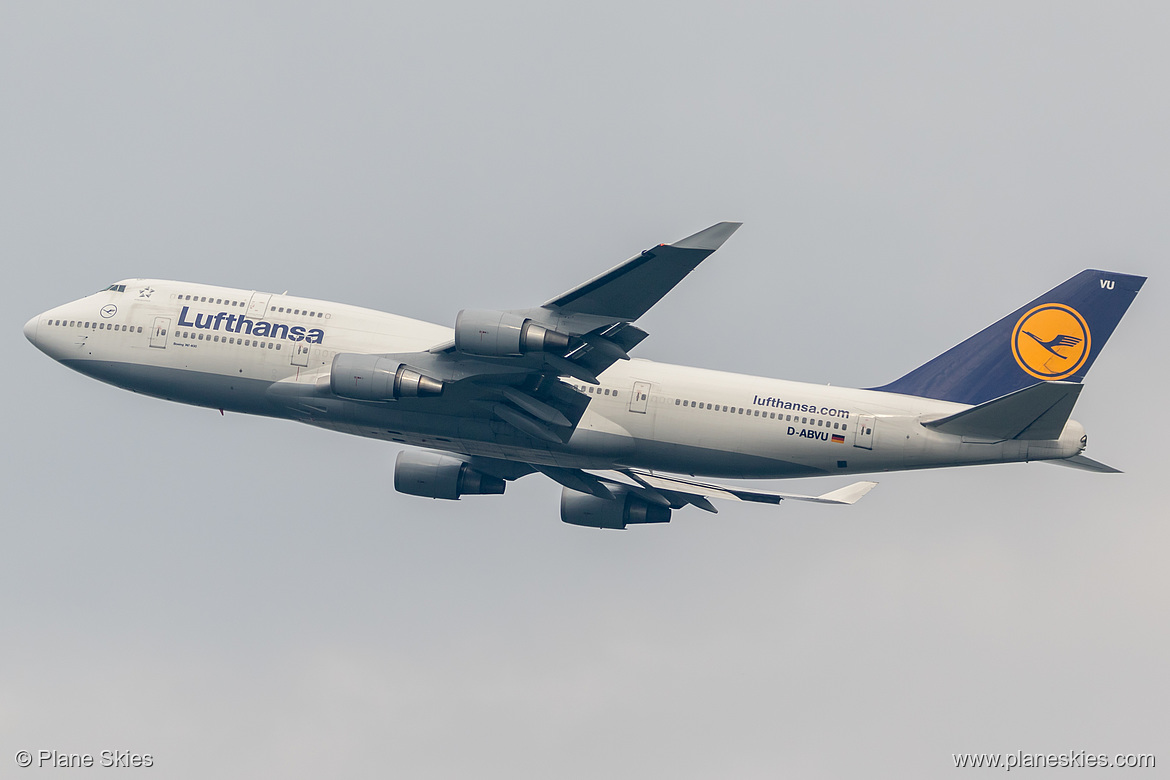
pixel 553 390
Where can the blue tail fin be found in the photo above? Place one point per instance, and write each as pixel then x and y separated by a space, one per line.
pixel 1055 337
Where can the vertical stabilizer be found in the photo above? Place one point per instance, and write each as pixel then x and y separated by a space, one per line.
pixel 1055 337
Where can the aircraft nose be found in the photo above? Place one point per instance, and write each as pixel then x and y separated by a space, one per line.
pixel 30 330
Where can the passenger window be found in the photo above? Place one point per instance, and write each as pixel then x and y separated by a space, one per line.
pixel 844 426
pixel 607 391
pixel 677 402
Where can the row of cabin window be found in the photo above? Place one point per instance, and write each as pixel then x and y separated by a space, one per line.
pixel 756 413
pixel 95 325
pixel 598 390
pixel 186 334
pixel 205 299
pixel 226 302
pixel 284 310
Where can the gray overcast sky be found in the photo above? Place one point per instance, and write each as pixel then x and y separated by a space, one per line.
pixel 243 597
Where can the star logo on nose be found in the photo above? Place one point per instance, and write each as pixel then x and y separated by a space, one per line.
pixel 145 292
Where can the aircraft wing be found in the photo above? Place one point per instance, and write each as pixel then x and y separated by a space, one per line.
pixel 627 291
pixel 697 493
pixel 507 365
pixel 676 492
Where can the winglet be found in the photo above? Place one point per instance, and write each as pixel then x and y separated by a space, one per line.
pixel 710 239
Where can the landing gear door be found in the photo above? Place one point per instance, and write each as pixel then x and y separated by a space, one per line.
pixel 300 353
pixel 863 431
pixel 639 397
pixel 158 333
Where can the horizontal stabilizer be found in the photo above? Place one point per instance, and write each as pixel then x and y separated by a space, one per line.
pixel 1038 412
pixel 1085 464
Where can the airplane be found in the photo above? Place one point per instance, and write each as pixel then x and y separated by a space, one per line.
pixel 553 389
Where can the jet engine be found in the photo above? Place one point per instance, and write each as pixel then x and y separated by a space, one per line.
pixel 435 475
pixel 625 508
pixel 375 378
pixel 501 334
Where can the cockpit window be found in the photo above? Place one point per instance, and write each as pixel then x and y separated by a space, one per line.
pixel 116 288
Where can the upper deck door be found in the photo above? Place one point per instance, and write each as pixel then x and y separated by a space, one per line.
pixel 863 431
pixel 258 304
pixel 158 333
pixel 640 397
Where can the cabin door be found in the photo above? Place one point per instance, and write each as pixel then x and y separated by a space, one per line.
pixel 258 304
pixel 158 333
pixel 639 397
pixel 863 431
pixel 300 353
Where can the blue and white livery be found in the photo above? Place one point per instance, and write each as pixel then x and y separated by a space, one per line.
pixel 553 389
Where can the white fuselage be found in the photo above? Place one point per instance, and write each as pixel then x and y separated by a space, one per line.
pixel 262 353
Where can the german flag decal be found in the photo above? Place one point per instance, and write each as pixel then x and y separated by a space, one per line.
pixel 838 438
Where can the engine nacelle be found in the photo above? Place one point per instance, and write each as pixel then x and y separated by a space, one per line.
pixel 624 509
pixel 501 334
pixel 434 475
pixel 375 378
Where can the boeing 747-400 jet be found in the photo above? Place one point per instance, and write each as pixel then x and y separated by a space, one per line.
pixel 552 389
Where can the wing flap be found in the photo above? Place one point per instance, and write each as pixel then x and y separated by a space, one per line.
pixel 846 495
